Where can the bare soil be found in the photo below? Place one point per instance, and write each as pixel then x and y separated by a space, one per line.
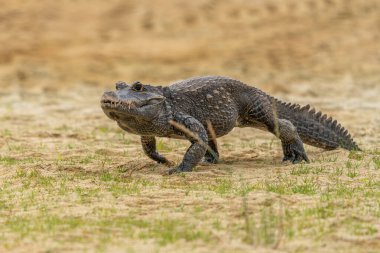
pixel 72 181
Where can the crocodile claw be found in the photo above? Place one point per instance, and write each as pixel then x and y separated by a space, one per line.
pixel 294 152
pixel 178 169
pixel 173 170
pixel 210 159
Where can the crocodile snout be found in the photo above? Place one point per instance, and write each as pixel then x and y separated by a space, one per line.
pixel 109 99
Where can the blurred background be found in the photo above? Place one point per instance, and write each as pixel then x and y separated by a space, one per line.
pixel 277 45
pixel 66 169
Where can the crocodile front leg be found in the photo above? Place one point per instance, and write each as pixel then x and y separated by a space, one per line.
pixel 195 132
pixel 149 147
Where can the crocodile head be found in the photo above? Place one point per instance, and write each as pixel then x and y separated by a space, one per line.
pixel 133 102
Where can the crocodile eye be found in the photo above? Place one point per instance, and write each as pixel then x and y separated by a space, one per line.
pixel 137 86
pixel 120 85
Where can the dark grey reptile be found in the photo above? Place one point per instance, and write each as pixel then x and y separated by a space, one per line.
pixel 203 108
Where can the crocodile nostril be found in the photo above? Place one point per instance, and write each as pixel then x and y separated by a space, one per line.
pixel 120 85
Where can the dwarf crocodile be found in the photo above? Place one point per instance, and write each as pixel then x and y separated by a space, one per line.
pixel 201 109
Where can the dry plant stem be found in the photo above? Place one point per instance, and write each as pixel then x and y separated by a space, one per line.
pixel 247 223
pixel 193 135
pixel 281 226
pixel 211 130
pixel 135 169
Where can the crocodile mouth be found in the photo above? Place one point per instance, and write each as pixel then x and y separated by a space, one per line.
pixel 128 105
pixel 107 103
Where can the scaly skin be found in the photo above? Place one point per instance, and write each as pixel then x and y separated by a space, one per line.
pixel 183 109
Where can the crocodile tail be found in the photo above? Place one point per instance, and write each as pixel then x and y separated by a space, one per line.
pixel 315 128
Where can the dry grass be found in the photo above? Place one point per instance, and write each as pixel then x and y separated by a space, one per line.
pixel 72 181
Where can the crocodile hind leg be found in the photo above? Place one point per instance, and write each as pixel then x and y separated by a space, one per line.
pixel 261 117
pixel 213 155
pixel 292 145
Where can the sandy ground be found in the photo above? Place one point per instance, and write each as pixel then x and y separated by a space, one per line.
pixel 71 181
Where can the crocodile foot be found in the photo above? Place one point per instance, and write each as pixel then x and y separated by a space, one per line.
pixel 294 151
pixel 210 159
pixel 179 169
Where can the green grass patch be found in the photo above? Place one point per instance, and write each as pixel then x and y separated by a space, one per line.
pixel 359 228
pixel 163 146
pixel 222 186
pixel 6 133
pixel 308 186
pixel 163 231
pixel 356 155
pixel 305 169
pixel 26 225
pixel 8 160
pixel 376 162
pixel 283 185
pixel 168 231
